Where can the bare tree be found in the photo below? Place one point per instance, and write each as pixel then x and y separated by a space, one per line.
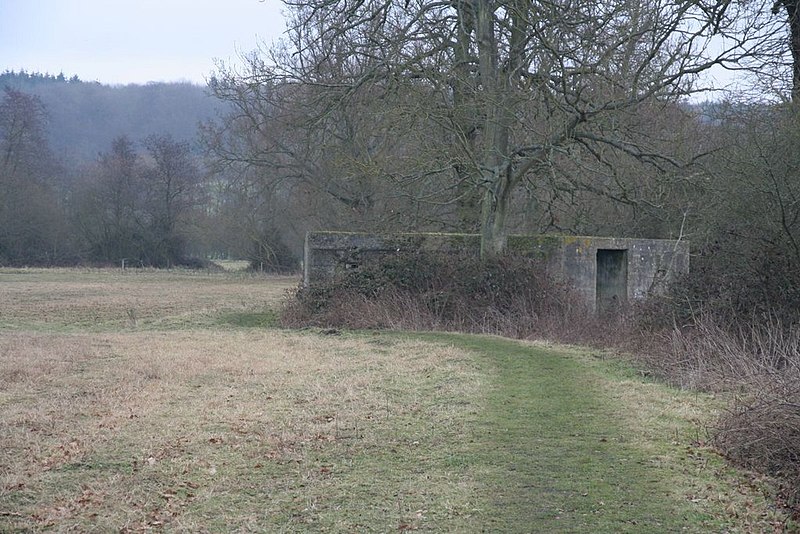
pixel 770 68
pixel 489 95
pixel 22 144
pixel 134 207
pixel 756 200
pixel 287 142
pixel 173 188
pixel 109 204
pixel 792 11
pixel 31 217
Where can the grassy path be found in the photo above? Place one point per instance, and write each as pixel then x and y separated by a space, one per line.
pixel 557 451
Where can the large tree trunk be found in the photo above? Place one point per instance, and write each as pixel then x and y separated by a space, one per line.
pixel 494 214
pixel 498 109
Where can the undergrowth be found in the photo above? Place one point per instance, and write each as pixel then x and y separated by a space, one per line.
pixel 733 326
pixel 508 296
pixel 757 365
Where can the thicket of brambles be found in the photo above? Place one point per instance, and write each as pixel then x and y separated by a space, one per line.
pixel 420 290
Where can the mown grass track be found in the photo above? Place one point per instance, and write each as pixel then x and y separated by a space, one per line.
pixel 573 442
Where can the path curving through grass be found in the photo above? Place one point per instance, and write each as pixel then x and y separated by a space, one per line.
pixel 559 450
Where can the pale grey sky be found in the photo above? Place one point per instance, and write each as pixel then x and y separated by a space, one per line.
pixel 132 41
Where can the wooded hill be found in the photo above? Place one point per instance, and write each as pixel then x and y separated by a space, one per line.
pixel 83 117
pixel 93 173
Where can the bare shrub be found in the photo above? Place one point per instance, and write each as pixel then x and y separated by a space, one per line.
pixel 762 428
pixel 762 431
pixel 702 355
pixel 758 365
pixel 737 282
pixel 509 296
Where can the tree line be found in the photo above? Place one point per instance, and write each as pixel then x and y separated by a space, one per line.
pixel 126 205
pixel 118 184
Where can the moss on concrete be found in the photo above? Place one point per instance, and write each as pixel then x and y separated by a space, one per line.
pixel 570 257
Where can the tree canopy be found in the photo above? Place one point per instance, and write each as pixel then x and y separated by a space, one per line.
pixel 462 103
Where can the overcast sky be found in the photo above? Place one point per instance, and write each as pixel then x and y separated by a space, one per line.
pixel 132 41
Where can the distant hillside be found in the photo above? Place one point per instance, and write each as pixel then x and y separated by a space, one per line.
pixel 86 116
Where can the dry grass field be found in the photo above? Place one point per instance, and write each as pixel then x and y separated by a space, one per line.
pixel 110 299
pixel 182 420
pixel 159 401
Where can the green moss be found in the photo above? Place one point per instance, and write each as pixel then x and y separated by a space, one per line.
pixel 266 319
pixel 579 241
pixel 539 247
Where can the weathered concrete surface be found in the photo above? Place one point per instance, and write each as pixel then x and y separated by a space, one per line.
pixel 630 269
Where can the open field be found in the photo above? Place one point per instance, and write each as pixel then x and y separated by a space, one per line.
pixel 194 414
pixel 110 299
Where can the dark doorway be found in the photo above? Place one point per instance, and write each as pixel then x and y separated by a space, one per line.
pixel 612 280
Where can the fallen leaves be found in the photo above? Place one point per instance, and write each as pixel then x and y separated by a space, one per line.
pixel 63 454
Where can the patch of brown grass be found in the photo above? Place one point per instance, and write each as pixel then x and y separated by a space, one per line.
pixel 191 429
pixel 126 405
pixel 104 299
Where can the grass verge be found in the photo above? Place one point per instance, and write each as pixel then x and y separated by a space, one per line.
pixel 231 430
